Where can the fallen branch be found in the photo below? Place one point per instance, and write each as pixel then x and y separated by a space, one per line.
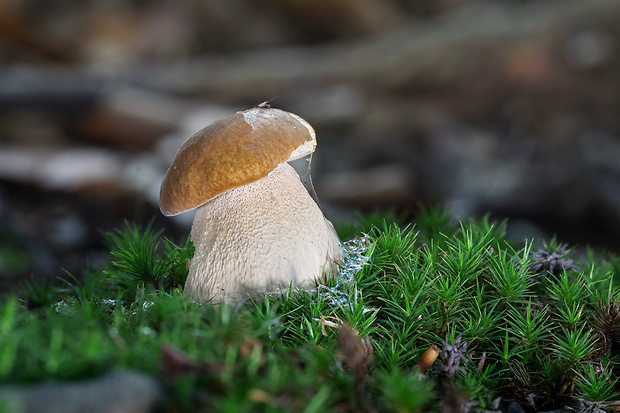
pixel 435 50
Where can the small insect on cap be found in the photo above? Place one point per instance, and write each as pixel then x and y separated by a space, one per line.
pixel 232 152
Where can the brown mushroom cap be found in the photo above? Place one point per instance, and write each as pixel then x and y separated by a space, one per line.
pixel 233 152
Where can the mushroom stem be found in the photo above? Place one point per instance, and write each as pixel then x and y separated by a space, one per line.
pixel 303 167
pixel 261 237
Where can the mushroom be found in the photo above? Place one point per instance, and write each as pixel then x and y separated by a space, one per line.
pixel 256 229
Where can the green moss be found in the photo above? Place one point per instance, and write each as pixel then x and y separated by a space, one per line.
pixel 504 330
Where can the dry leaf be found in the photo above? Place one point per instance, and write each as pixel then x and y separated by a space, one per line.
pixel 325 322
pixel 355 352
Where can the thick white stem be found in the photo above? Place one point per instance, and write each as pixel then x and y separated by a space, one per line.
pixel 259 238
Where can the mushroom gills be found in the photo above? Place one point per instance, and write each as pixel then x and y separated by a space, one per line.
pixel 260 238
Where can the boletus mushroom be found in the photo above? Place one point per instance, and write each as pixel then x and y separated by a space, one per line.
pixel 256 229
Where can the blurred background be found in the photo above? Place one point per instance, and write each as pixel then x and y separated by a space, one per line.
pixel 507 107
